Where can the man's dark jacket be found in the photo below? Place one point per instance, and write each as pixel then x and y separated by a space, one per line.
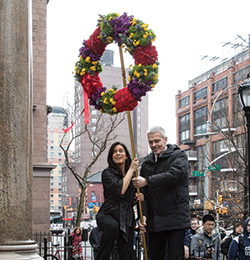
pixel 166 204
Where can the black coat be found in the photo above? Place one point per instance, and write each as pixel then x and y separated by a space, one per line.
pixel 120 207
pixel 166 204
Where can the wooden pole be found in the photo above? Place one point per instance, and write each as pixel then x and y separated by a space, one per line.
pixel 133 150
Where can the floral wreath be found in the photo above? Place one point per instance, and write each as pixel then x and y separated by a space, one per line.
pixel 135 35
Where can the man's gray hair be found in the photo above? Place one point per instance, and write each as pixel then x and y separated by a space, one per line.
pixel 157 129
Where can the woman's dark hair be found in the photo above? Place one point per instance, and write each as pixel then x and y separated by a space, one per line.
pixel 110 157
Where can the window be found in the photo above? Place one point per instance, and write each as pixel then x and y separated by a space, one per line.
pixel 185 119
pixel 184 135
pixel 220 84
pixel 200 93
pixel 184 102
pixel 220 104
pixel 200 113
pixel 200 129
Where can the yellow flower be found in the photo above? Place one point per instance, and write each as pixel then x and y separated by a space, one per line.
pixel 105 101
pixel 130 66
pixel 133 22
pixel 102 94
pixel 75 68
pixel 87 59
pixel 154 66
pixel 77 71
pixel 114 91
pixel 114 109
pixel 93 68
pixel 101 110
pixel 110 89
pixel 139 65
pixel 113 103
pixel 135 72
pixel 81 57
pixel 131 35
pixel 155 77
pixel 152 40
pixel 110 18
pixel 110 39
pixel 145 72
pixel 129 78
pixel 111 100
pixel 152 86
pixel 94 62
pixel 145 36
pixel 117 14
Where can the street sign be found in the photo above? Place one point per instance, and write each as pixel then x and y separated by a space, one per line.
pixel 198 173
pixel 214 168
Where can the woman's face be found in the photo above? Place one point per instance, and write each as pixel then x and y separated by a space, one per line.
pixel 119 155
pixel 78 231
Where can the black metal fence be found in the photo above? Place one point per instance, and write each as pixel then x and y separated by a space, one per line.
pixel 57 243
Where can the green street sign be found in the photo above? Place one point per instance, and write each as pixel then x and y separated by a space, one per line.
pixel 198 173
pixel 214 168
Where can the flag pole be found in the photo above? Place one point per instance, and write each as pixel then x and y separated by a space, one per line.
pixel 133 150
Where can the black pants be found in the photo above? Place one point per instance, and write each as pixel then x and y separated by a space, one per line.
pixel 174 239
pixel 111 233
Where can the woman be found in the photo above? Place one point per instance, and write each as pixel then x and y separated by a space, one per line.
pixel 116 217
pixel 76 243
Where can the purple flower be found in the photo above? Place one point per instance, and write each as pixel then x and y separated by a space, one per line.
pixel 96 96
pixel 86 52
pixel 139 89
pixel 120 25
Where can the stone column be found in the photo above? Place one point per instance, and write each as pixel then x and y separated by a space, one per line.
pixel 16 131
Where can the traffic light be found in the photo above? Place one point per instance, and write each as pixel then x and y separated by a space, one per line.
pixel 208 205
pixel 220 199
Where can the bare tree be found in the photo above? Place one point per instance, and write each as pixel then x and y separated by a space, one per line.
pixel 104 133
pixel 230 151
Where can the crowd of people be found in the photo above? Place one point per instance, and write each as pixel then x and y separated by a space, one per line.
pixel 164 195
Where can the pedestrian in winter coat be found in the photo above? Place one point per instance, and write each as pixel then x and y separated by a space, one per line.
pixel 115 218
pixel 240 245
pixel 76 243
pixel 164 179
pixel 205 244
pixel 237 230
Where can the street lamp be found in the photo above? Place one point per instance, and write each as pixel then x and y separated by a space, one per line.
pixel 244 94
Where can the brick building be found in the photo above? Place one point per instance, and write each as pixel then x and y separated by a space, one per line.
pixel 206 114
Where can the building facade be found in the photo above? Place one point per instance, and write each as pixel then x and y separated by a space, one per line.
pixel 210 127
pixel 57 121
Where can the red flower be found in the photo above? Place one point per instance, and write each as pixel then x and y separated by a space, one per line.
pixel 91 84
pixel 124 100
pixel 95 44
pixel 146 55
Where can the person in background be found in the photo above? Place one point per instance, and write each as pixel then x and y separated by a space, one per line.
pixel 194 225
pixel 115 218
pixel 205 244
pixel 240 245
pixel 76 237
pixel 237 230
pixel 164 179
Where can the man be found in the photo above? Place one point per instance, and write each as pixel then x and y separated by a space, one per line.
pixel 240 245
pixel 205 244
pixel 237 230
pixel 164 179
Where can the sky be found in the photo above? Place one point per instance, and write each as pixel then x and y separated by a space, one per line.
pixel 186 31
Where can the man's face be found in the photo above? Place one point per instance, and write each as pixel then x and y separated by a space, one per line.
pixel 157 143
pixel 194 224
pixel 209 226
